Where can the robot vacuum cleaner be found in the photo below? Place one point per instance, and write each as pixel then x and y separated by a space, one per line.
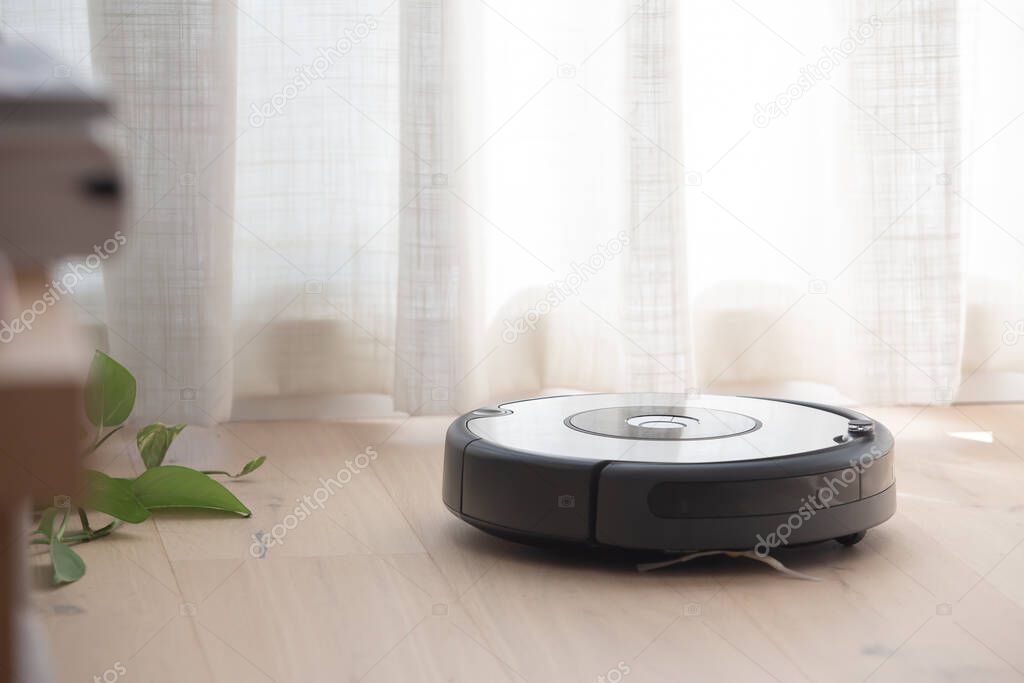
pixel 670 472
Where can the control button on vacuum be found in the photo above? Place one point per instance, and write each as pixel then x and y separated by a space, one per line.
pixel 490 412
pixel 861 426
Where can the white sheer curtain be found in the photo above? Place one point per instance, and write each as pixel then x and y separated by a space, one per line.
pixel 318 202
pixel 172 74
pixel 908 281
pixel 987 189
pixel 423 206
pixel 655 306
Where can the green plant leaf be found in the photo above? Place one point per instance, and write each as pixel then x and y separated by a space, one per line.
pixel 154 440
pixel 114 497
pixel 109 392
pixel 67 565
pixel 250 467
pixel 46 523
pixel 173 486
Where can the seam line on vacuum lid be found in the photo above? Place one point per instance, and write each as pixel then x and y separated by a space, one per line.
pixel 462 473
pixel 595 484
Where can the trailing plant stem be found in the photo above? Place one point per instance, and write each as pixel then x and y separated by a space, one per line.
pixel 99 441
pixel 85 521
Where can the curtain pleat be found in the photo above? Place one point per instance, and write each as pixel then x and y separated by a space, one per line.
pixel 428 274
pixel 655 292
pixel 171 71
pixel 908 298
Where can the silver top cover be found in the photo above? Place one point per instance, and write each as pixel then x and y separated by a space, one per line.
pixel 659 428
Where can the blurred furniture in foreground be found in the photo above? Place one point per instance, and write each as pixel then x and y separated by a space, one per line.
pixel 60 197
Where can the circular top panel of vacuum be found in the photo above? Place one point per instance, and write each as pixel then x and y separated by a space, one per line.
pixel 671 423
pixel 670 428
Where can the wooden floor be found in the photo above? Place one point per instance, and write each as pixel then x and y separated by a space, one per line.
pixel 383 584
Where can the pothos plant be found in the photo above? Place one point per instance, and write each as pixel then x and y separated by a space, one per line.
pixel 109 400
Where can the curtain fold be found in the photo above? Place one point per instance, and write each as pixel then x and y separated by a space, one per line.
pixel 171 71
pixel 909 279
pixel 316 211
pixel 656 272
pixel 426 324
